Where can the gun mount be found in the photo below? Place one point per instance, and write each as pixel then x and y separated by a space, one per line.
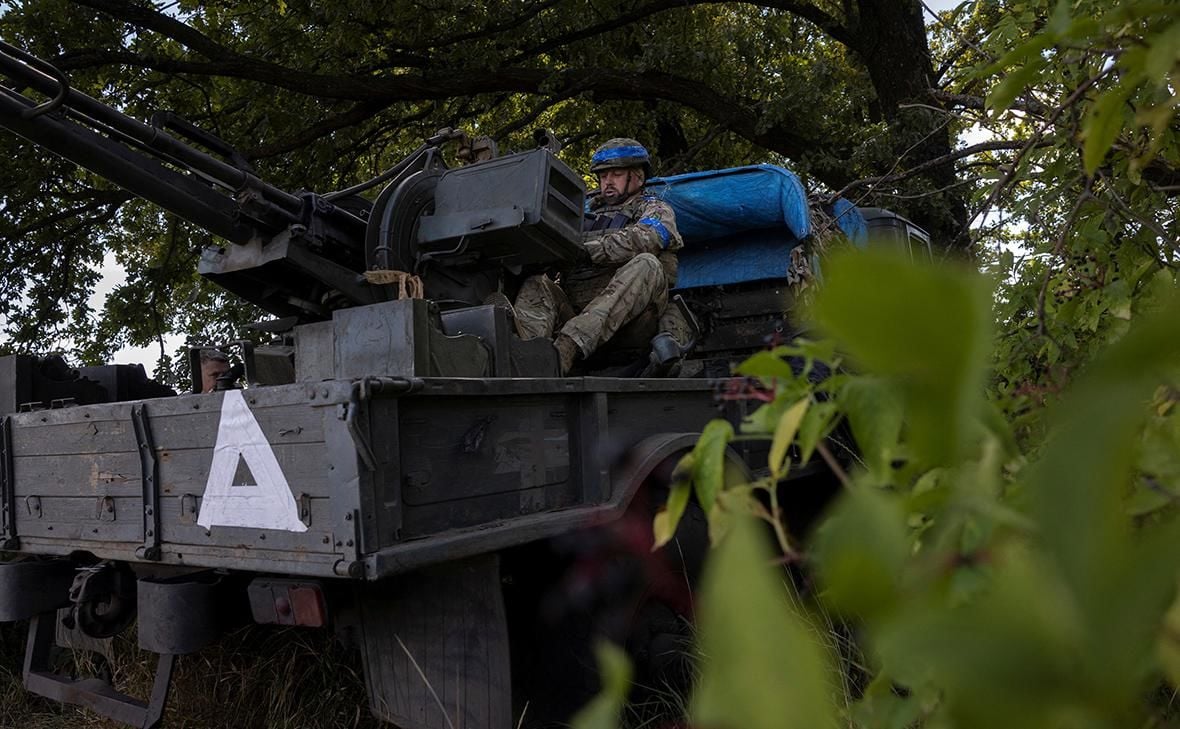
pixel 301 253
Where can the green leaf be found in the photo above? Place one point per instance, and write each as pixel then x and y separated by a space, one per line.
pixel 929 493
pixel 605 710
pixel 765 419
pixel 1117 296
pixel 817 424
pixel 766 364
pixel 1015 83
pixel 784 435
pixel 926 328
pixel 709 462
pixel 1004 658
pixel 1021 54
pixel 737 502
pixel 1159 450
pixel 995 424
pixel 1168 645
pixel 668 518
pixel 763 666
pixel 875 412
pixel 822 350
pixel 1078 493
pixel 1163 53
pixel 1086 466
pixel 1059 21
pixel 1103 124
pixel 1148 500
pixel 860 551
pixel 883 708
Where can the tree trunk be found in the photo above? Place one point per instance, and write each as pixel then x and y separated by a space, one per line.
pixel 890 38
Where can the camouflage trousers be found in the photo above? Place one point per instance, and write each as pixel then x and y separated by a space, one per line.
pixel 542 306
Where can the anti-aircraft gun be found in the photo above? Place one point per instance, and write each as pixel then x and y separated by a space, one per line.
pixel 417 473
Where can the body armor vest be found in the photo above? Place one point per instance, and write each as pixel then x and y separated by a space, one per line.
pixel 605 221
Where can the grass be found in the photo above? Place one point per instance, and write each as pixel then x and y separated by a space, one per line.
pixel 255 677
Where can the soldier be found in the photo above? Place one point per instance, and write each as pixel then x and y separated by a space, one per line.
pixel 631 239
pixel 214 364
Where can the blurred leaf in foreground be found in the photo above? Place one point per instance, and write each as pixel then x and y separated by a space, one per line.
pixel 763 665
pixel 1072 627
pixel 928 328
pixel 605 709
pixel 861 549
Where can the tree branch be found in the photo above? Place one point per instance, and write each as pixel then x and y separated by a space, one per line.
pixel 735 113
pixel 529 117
pixel 968 101
pixel 930 164
pixel 825 22
pixel 355 115
pixel 143 16
pixel 1036 140
pixel 102 199
pixel 513 24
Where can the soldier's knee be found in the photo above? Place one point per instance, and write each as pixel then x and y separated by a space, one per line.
pixel 646 265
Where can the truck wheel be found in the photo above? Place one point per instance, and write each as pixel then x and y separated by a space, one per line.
pixel 606 583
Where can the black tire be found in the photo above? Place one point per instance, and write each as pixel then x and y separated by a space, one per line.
pixel 605 583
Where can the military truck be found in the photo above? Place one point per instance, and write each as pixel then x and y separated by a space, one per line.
pixel 401 467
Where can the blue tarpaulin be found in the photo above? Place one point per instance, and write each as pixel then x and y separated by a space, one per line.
pixel 851 222
pixel 753 255
pixel 740 224
pixel 719 203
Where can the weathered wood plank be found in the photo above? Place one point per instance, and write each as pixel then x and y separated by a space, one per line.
pixel 305 467
pixel 464 448
pixel 297 423
pixel 237 558
pixel 281 424
pixel 92 474
pixel 92 436
pixel 318 538
pixel 119 519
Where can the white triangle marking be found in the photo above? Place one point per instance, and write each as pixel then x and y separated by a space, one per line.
pixel 268 504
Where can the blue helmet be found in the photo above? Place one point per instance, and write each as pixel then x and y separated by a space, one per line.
pixel 621 152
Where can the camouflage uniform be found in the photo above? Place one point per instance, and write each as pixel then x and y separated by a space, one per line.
pixel 632 266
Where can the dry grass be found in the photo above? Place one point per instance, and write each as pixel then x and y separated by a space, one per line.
pixel 253 678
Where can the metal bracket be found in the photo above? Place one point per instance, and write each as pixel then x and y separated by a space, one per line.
pixel 104 510
pixel 305 509
pixel 8 538
pixel 360 393
pixel 188 509
pixel 150 468
pixel 92 693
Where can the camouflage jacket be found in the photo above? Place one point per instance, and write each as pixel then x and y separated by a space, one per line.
pixel 648 226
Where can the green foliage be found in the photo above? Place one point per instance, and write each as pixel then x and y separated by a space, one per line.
pixel 858 581
pixel 764 664
pixel 604 710
pixel 989 586
pixel 1079 220
pixel 929 341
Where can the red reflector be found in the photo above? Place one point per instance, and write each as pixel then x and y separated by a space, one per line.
pixel 280 601
pixel 307 602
